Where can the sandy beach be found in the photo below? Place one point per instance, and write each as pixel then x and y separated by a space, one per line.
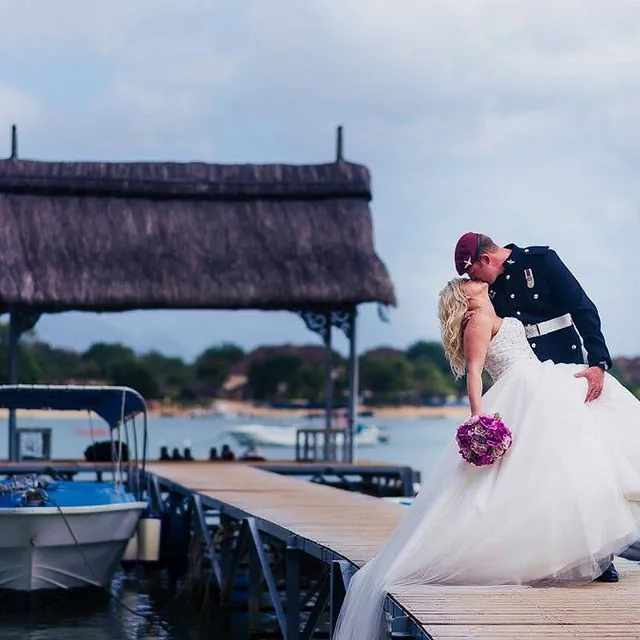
pixel 249 410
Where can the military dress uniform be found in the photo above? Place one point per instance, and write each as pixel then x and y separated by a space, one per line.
pixel 538 289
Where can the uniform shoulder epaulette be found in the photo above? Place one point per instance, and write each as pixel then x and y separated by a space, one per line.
pixel 536 251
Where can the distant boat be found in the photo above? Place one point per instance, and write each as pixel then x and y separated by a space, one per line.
pixel 216 410
pixel 285 436
pixel 63 534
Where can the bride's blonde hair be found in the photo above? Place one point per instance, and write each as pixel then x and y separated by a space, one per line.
pixel 452 305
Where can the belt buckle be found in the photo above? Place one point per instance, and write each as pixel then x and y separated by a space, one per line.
pixel 533 330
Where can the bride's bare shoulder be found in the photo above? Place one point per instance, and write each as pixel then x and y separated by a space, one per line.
pixel 480 320
pixel 480 326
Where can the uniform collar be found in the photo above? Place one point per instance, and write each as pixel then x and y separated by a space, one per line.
pixel 512 260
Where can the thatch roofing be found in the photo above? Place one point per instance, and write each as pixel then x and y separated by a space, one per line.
pixel 117 236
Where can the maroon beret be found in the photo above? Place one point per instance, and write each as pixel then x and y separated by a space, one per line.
pixel 466 251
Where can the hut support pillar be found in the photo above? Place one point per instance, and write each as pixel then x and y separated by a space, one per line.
pixel 14 336
pixel 328 454
pixel 353 386
pixel 20 320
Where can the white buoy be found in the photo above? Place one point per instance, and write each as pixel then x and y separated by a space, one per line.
pixel 131 552
pixel 149 539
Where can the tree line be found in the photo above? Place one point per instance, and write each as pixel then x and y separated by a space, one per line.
pixel 418 375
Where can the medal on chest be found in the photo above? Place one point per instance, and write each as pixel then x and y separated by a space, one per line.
pixel 528 276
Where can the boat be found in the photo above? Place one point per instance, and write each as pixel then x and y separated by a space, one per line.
pixel 62 534
pixel 285 436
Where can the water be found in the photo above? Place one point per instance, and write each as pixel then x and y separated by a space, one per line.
pixel 152 610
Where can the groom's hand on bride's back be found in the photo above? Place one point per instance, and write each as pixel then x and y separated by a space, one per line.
pixel 595 382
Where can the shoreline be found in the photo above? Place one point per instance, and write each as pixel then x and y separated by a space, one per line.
pixel 247 409
pixel 238 409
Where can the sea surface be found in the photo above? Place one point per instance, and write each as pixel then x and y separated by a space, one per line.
pixel 144 609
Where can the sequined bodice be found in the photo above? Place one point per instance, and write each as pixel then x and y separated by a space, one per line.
pixel 508 347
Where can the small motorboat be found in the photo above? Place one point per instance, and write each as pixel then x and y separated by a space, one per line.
pixel 285 436
pixel 65 534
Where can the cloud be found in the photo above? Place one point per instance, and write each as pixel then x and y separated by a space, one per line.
pixel 516 118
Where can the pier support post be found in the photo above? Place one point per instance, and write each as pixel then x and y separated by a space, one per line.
pixel 255 579
pixel 226 537
pixel 293 590
pixel 337 591
pixel 200 530
pixel 231 570
pixel 322 599
pixel 154 495
pixel 407 482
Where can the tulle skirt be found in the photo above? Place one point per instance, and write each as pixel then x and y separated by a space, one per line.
pixel 552 511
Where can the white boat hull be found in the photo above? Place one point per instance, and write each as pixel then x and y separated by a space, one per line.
pixel 42 548
pixel 280 436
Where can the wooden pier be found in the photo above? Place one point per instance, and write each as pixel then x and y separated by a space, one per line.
pixel 341 531
pixel 364 476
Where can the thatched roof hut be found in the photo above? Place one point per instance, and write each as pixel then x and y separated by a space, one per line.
pixel 118 236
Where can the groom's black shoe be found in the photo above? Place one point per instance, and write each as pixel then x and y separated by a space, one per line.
pixel 610 574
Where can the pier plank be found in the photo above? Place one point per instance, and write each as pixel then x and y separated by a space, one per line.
pixel 355 526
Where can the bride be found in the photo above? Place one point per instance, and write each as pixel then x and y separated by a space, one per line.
pixel 552 511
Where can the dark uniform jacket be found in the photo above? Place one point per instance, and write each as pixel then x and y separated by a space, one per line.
pixel 537 286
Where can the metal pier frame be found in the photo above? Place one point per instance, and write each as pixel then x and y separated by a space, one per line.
pixel 251 534
pixel 403 625
pixel 321 471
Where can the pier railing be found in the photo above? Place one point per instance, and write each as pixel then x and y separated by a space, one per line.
pixel 322 445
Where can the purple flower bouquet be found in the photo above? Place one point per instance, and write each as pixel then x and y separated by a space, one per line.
pixel 483 439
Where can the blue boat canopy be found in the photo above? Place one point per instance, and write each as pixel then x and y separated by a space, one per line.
pixel 112 404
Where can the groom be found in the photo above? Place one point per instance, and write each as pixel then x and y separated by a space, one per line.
pixel 534 286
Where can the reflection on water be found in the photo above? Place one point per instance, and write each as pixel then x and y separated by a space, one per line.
pixel 144 610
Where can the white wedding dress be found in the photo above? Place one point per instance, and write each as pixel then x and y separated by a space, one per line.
pixel 552 511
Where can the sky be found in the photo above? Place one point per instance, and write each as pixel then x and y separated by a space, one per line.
pixel 514 118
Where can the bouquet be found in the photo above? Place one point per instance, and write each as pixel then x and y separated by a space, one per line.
pixel 483 439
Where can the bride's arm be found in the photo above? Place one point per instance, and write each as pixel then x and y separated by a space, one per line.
pixel 477 336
